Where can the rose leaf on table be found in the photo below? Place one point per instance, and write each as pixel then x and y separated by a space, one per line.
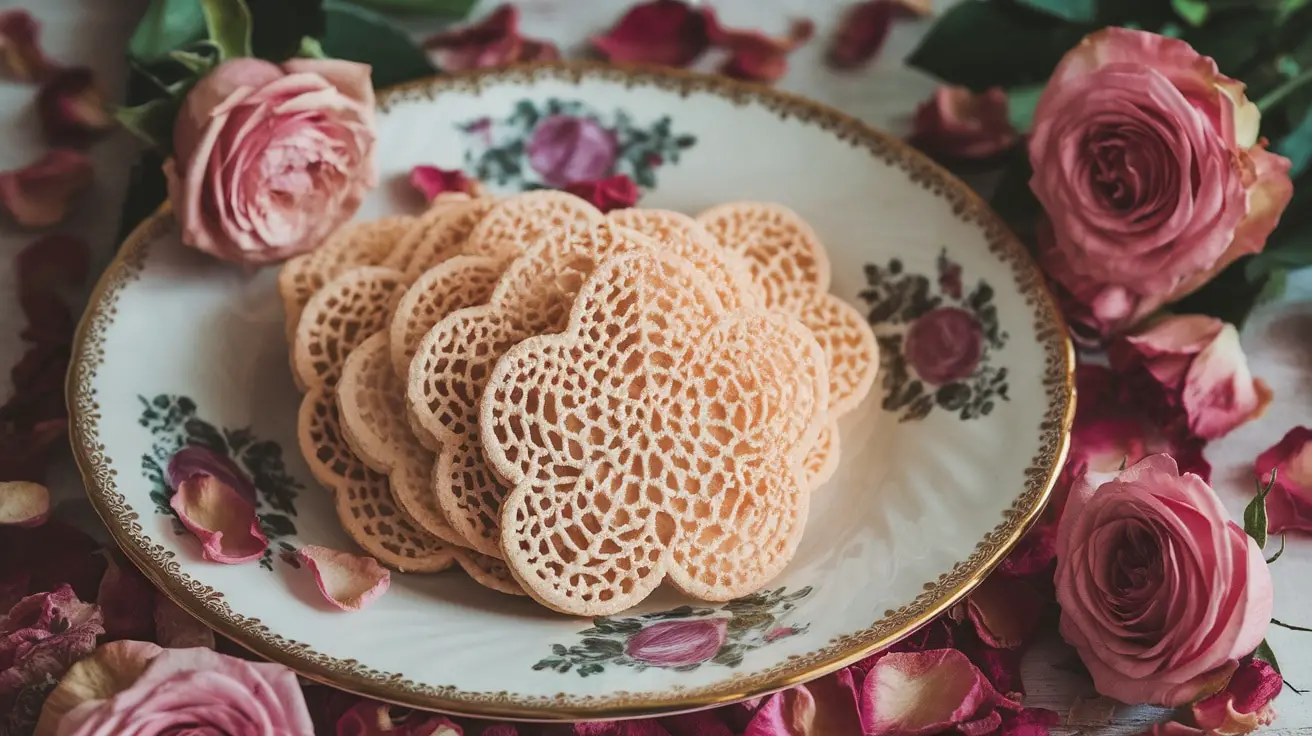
pixel 1255 521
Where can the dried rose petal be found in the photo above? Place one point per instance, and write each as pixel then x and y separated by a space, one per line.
pixel 957 124
pixel 829 705
pixel 127 601
pixel 349 582
pixel 1005 611
pixel 72 107
pixel 612 193
pixel 862 32
pixel 757 57
pixel 665 32
pixel 39 194
pixel 431 181
pixel 42 636
pixel 1289 504
pixel 198 460
pixel 177 629
pixel 1028 722
pixel 20 48
pixel 223 521
pixel 369 717
pixel 910 693
pixel 493 41
pixel 1244 704
pixel 23 503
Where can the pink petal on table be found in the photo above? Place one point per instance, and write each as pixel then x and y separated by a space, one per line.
pixel 73 108
pixel 1244 704
pixel 1005 611
pixel 41 193
pixel 612 193
pixel 20 48
pixel 757 57
pixel 223 521
pixel 915 693
pixel 431 181
pixel 127 601
pixel 177 629
pixel 493 41
pixel 861 33
pixel 349 582
pixel 23 503
pixel 664 32
pixel 199 460
pixel 1289 504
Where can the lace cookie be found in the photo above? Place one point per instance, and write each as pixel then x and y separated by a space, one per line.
pixel 463 281
pixel 338 318
pixel 658 435
pixel 727 271
pixel 369 515
pixel 516 223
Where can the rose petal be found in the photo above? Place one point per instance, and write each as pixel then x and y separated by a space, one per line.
pixel 20 48
pixel 40 194
pixel 195 460
pixel 43 635
pixel 1244 704
pixel 862 32
pixel 612 193
pixel 1289 504
pixel 757 57
pixel 829 705
pixel 349 582
pixel 912 693
pixel 664 32
pixel 697 723
pixel 1005 611
pixel 177 629
pixel 1028 722
pixel 223 521
pixel 23 503
pixel 72 107
pixel 493 41
pixel 111 669
pixel 957 124
pixel 1219 393
pixel 432 181
pixel 127 601
pixel 371 718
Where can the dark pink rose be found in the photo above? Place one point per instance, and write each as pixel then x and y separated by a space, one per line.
pixel 1161 593
pixel 42 636
pixel 957 124
pixel 678 643
pixel 1148 164
pixel 269 160
pixel 1195 370
pixel 944 345
pixel 1289 504
pixel 1244 704
pixel 565 149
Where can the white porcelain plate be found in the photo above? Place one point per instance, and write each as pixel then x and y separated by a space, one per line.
pixel 943 467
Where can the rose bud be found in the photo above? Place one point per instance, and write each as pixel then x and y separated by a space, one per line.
pixel 72 107
pixel 39 194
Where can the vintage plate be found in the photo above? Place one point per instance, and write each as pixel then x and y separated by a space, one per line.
pixel 936 483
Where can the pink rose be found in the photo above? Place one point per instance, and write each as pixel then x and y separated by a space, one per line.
pixel 959 124
pixel 268 160
pixel 944 345
pixel 1160 592
pixel 138 688
pixel 565 149
pixel 1194 370
pixel 677 643
pixel 1148 163
pixel 42 636
pixel 1289 504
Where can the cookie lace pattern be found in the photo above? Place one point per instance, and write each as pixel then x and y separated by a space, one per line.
pixel 655 425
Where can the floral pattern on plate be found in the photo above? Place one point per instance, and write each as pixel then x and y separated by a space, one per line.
pixel 173 423
pixel 936 341
pixel 681 639
pixel 556 143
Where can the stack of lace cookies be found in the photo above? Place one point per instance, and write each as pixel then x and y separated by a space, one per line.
pixel 571 405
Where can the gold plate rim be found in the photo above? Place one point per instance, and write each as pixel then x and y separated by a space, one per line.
pixel 208 605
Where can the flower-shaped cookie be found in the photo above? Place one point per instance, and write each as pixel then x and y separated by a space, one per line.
pixel 658 435
pixel 516 223
pixel 441 234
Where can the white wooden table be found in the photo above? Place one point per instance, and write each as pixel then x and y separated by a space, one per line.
pixel 1278 339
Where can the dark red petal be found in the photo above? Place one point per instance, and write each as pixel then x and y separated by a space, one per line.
pixel 431 181
pixel 41 193
pixel 612 193
pixel 55 264
pixel 493 41
pixel 861 33
pixel 665 32
pixel 127 601
pixel 757 57
pixel 20 48
pixel 72 107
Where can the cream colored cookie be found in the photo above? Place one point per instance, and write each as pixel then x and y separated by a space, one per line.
pixel 323 442
pixel 453 360
pixel 371 517
pixel 463 281
pixel 658 435
pixel 351 307
pixel 489 572
pixel 365 243
pixel 441 206
pixel 449 237
pixel 518 222
pixel 822 460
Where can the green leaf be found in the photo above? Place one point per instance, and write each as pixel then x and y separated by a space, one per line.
pixel 1020 106
pixel 280 26
pixel 229 26
pixel 1264 653
pixel 1193 12
pixel 445 8
pixel 196 63
pixel 1272 290
pixel 166 26
pixel 1075 11
pixel 1234 40
pixel 359 34
pixel 1297 146
pixel 982 45
pixel 1255 512
pixel 152 122
pixel 311 49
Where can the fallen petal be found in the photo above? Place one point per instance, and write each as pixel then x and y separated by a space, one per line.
pixel 223 521
pixel 54 266
pixel 862 32
pixel 612 193
pixel 432 181
pixel 1005 611
pixel 757 57
pixel 126 600
pixel 349 582
pixel 664 32
pixel 957 124
pixel 1028 722
pixel 72 107
pixel 40 194
pixel 1289 505
pixel 493 41
pixel 177 629
pixel 1244 704
pixel 913 693
pixel 20 48
pixel 195 460
pixel 23 503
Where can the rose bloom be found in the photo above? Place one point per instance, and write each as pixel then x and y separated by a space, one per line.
pixel 1148 163
pixel 1160 592
pixel 268 160
pixel 138 688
